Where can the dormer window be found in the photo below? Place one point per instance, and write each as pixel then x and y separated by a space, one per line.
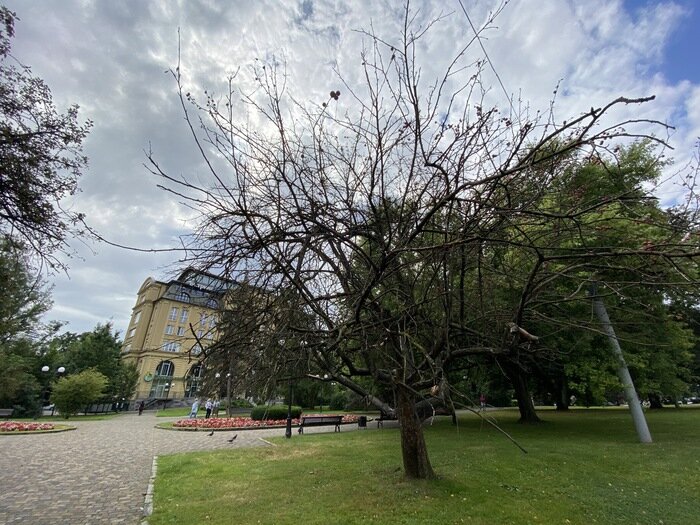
pixel 182 297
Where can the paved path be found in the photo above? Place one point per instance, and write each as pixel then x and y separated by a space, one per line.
pixel 97 474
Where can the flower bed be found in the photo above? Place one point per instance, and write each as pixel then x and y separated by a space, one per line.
pixel 15 426
pixel 238 423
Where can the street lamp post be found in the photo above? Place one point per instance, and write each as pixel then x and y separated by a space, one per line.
pixel 228 392
pixel 45 370
pixel 288 431
pixel 323 390
pixel 288 428
pixel 166 387
pixel 228 395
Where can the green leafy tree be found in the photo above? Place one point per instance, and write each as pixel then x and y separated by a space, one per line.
pixel 99 350
pixel 40 157
pixel 19 386
pixel 73 393
pixel 25 299
pixel 25 296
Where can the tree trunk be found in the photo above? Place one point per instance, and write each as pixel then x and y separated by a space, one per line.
pixel 416 463
pixel 562 393
pixel 522 394
pixel 655 401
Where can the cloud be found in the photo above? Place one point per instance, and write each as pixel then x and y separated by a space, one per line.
pixel 113 59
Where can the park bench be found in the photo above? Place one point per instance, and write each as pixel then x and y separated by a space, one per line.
pixel 384 417
pixel 317 421
pixel 6 412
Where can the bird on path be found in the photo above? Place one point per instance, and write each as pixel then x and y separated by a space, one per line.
pixel 211 433
pixel 231 440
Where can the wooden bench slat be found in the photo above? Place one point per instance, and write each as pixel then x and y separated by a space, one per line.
pixel 313 421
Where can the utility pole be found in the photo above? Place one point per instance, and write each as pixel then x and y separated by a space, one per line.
pixel 640 422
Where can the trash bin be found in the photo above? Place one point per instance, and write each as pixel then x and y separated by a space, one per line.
pixel 362 422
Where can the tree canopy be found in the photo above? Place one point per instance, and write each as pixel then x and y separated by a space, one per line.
pixel 405 226
pixel 41 157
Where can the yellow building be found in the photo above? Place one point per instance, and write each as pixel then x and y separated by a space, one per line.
pixel 170 324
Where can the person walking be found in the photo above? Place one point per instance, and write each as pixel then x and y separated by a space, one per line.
pixel 208 405
pixel 215 408
pixel 195 408
pixel 142 405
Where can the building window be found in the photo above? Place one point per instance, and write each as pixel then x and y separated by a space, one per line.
pixel 194 380
pixel 213 304
pixel 182 296
pixel 171 346
pixel 173 314
pixel 184 315
pixel 197 349
pixel 212 322
pixel 137 316
pixel 127 348
pixel 169 330
pixel 180 330
pixel 200 333
pixel 210 335
pixel 165 368
pixel 163 380
pixel 132 332
pixel 203 319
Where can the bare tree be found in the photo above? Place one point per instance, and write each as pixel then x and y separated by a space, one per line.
pixel 373 214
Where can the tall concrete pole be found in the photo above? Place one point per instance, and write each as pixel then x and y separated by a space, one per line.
pixel 640 422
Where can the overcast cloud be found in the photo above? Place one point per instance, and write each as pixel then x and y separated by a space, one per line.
pixel 111 57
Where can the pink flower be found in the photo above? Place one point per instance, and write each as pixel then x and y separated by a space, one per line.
pixel 15 426
pixel 243 422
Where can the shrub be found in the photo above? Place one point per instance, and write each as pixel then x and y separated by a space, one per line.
pixel 273 412
pixel 338 401
pixel 72 393
pixel 240 403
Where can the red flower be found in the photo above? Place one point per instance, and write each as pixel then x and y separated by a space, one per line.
pixel 15 426
pixel 242 422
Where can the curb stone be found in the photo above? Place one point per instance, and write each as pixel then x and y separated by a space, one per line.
pixel 148 500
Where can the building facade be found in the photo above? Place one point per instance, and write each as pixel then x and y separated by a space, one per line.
pixel 170 325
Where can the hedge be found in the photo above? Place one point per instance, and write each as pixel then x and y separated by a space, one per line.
pixel 273 412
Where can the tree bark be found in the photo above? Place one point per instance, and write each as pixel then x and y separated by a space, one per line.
pixel 522 394
pixel 416 463
pixel 562 393
pixel 655 401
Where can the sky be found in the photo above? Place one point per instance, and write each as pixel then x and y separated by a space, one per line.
pixel 113 57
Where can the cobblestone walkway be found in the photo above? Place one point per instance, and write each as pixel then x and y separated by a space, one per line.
pixel 97 474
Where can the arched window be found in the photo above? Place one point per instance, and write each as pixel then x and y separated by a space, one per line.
pixel 165 368
pixel 194 380
pixel 182 296
pixel 162 380
pixel 212 303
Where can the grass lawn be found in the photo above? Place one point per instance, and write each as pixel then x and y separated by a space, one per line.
pixel 582 467
pixel 176 412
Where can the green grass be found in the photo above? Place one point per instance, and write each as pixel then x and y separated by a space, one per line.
pixel 176 412
pixel 582 467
